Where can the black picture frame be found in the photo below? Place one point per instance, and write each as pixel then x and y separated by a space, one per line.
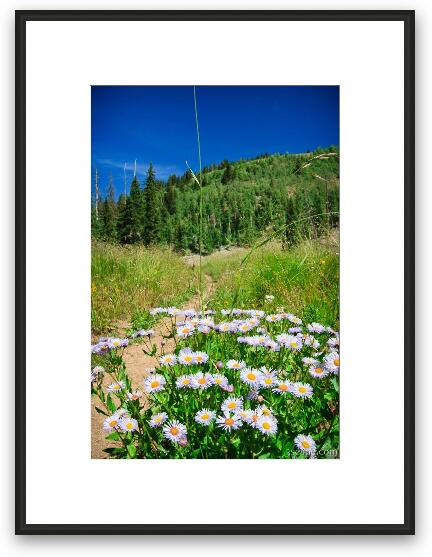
pixel 21 18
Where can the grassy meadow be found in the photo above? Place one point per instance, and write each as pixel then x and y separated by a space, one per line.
pixel 126 280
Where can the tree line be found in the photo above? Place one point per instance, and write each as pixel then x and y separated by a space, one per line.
pixel 242 201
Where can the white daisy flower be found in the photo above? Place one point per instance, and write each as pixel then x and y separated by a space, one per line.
pixel 293 330
pixel 116 387
pixel 294 319
pixel 128 424
pixel 172 311
pixel 200 357
pixel 251 376
pixel 264 410
pixel 290 341
pixel 333 342
pixel 244 327
pixel 302 390
pixel 204 416
pixel 174 431
pixel 272 345
pixel 234 364
pixel 229 422
pixel 305 443
pixel 219 380
pixel 268 379
pixel 185 330
pixel 204 329
pixel 309 361
pixel 332 362
pixel 315 328
pixel 226 327
pixel 189 312
pixel 273 317
pixel 311 341
pixel 283 387
pixel 158 419
pixel 111 422
pixel 202 380
pixel 267 425
pixel 318 370
pixel 252 417
pixel 186 358
pixel 184 381
pixel 245 415
pixel 232 404
pixel 269 297
pixel 154 383
pixel 168 360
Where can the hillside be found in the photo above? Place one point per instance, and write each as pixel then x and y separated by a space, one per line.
pixel 292 196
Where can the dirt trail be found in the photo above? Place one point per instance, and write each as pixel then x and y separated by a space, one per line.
pixel 136 363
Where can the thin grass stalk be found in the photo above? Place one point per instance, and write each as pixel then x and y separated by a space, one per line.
pixel 200 288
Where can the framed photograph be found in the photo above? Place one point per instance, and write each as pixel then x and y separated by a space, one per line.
pixel 200 223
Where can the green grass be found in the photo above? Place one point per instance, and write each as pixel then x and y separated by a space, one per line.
pixel 127 280
pixel 304 279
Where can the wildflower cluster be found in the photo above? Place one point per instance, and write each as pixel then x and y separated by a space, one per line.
pixel 235 384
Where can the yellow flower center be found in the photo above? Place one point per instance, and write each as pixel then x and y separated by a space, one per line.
pixel 158 419
pixel 205 416
pixel 113 423
pixel 231 405
pixel 129 425
pixel 201 380
pixel 254 418
pixel 266 425
pixel 268 381
pixel 318 370
pixel 154 384
pixel 199 358
pixel 266 412
pixel 185 381
pixel 305 444
pixel 336 362
pixel 251 376
pixel 302 389
pixel 229 421
pixel 293 343
pixel 236 365
pixel 188 358
pixel 168 360
pixel 283 387
pixel 174 431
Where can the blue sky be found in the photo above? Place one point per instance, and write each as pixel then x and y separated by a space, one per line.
pixel 158 124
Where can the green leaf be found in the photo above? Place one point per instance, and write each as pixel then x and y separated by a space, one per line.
pixel 114 450
pixel 110 404
pixel 131 450
pixel 335 384
pixel 100 411
pixel 114 436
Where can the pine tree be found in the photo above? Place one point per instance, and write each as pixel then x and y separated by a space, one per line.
pixel 171 196
pixel 132 229
pixel 228 174
pixel 152 208
pixel 109 216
